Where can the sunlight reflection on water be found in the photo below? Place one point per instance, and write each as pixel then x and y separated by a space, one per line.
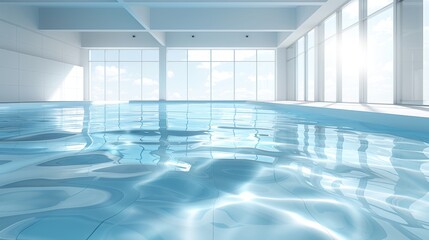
pixel 206 171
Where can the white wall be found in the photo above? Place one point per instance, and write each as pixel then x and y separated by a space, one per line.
pixel 35 65
pixel 25 78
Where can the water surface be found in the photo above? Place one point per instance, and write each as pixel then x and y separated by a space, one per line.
pixel 206 171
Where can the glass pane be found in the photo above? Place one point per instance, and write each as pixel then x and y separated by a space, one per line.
pixel 198 55
pixel 177 55
pixel 245 55
pixel 266 55
pixel 375 5
pixel 380 57
pixel 426 52
pixel 223 55
pixel 350 54
pixel 290 73
pixel 350 14
pixel 222 81
pixel 97 81
pixel 150 55
pixel 199 81
pixel 300 78
pixel 96 55
pixel 112 55
pixel 130 84
pixel 177 83
pixel 311 77
pixel 245 81
pixel 150 82
pixel 266 81
pixel 310 39
pixel 331 70
pixel 130 55
pixel 301 46
pixel 112 81
pixel 331 26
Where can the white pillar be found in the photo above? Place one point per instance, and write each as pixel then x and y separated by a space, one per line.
pixel 162 73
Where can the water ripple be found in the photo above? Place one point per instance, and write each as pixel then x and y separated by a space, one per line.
pixel 206 171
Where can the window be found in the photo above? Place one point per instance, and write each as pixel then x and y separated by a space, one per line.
pixel 245 81
pixel 97 74
pixel 222 70
pixel 330 47
pixel 201 74
pixel 131 74
pixel 375 5
pixel 350 53
pixel 380 57
pixel 300 70
pixel 350 14
pixel 330 77
pixel 311 67
pixel 426 51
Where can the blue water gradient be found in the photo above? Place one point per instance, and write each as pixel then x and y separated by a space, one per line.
pixel 206 171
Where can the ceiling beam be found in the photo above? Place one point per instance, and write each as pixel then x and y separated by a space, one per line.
pixel 142 15
pixel 86 19
pixel 223 19
pixel 168 3
pixel 315 19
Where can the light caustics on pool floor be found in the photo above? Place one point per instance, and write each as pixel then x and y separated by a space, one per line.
pixel 205 171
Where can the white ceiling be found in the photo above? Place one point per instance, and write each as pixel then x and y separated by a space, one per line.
pixel 159 17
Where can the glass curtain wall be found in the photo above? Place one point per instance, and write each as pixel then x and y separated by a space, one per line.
pixel 123 75
pixel 300 70
pixel 426 52
pixel 380 64
pixel 350 53
pixel 220 74
pixel 330 52
pixel 311 66
pixel 355 55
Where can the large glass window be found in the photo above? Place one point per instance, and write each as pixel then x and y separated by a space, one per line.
pixel 311 67
pixel 131 81
pixel 131 74
pixel 220 74
pixel 330 77
pixel 330 50
pixel 199 82
pixel 350 14
pixel 245 81
pixel 300 70
pixel 97 76
pixel 426 51
pixel 177 81
pixel 375 5
pixel 350 53
pixel 380 57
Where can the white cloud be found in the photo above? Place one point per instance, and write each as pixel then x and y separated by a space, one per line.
pixel 136 82
pixel 111 71
pixel 149 82
pixel 219 76
pixel 267 77
pixel 204 65
pixel 170 74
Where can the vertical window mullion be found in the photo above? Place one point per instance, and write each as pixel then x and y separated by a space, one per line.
pixel 363 43
pixel 338 60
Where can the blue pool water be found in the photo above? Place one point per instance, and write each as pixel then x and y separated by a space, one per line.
pixel 206 171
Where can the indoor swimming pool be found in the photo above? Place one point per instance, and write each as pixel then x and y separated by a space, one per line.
pixel 195 171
